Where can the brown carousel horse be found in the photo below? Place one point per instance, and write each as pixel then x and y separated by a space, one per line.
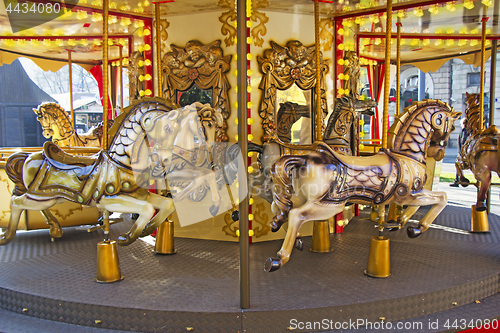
pixel 341 127
pixel 480 152
pixel 116 179
pixel 317 186
pixel 57 125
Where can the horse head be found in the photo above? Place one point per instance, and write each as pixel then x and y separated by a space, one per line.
pixel 46 120
pixel 442 123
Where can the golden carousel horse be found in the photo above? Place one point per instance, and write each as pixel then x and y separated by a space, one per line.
pixel 57 125
pixel 341 127
pixel 317 186
pixel 480 152
pixel 117 179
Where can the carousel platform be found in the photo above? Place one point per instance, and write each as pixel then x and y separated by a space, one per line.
pixel 49 287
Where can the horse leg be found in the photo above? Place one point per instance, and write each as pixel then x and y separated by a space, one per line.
pixel 128 204
pixel 165 207
pixel 55 229
pixel 460 172
pixel 425 198
pixel 17 205
pixel 484 177
pixel 407 214
pixel 298 216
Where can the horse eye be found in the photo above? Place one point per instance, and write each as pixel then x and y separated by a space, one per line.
pixel 210 125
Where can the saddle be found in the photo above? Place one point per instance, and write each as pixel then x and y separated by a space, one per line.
pixel 380 160
pixel 82 166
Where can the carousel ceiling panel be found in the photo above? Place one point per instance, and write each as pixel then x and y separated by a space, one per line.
pixel 427 33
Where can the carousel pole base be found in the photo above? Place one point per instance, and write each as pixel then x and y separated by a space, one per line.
pixel 479 221
pixel 108 267
pixel 165 238
pixel 321 237
pixel 379 263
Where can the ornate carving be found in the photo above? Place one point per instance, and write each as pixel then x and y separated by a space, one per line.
pixel 259 29
pixel 261 218
pixel 231 226
pixel 325 26
pixel 282 67
pixel 68 214
pixel 203 65
pixel 228 28
pixel 256 16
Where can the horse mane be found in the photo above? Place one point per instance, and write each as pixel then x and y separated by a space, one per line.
pixel 416 125
pixel 472 113
pixel 333 117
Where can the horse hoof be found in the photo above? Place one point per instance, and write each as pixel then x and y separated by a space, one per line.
pixel 464 182
pixel 299 245
pixel 213 210
pixel 413 232
pixel 272 264
pixel 124 239
pixel 277 222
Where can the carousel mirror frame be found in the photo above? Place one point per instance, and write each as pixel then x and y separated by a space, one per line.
pixel 203 65
pixel 282 67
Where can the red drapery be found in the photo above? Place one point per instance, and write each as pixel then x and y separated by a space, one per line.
pixel 96 72
pixel 376 73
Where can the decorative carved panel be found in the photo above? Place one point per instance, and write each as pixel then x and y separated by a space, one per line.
pixel 204 66
pixel 283 66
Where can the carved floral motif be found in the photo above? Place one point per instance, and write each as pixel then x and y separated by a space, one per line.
pixel 203 65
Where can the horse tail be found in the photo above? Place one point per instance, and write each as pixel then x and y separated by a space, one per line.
pixel 14 170
pixel 281 174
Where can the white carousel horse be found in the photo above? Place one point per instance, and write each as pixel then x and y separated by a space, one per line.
pixel 57 125
pixel 115 180
pixel 317 186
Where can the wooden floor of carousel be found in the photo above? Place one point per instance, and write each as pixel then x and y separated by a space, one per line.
pixel 49 287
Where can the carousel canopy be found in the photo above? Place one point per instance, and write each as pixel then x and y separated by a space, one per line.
pixel 432 31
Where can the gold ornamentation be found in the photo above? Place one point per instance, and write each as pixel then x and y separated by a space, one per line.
pixel 259 29
pixel 64 216
pixel 262 219
pixel 283 66
pixel 326 25
pixel 135 71
pixel 228 28
pixel 203 65
pixel 164 24
pixel 231 226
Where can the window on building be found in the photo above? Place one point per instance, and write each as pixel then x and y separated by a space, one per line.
pixel 473 79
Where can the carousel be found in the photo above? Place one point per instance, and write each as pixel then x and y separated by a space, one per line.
pixel 257 169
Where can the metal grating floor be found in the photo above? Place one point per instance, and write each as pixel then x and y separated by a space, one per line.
pixel 199 286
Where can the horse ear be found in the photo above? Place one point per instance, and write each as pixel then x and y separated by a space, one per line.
pixel 173 115
pixel 456 115
pixel 467 95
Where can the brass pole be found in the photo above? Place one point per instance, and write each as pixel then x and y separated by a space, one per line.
pixel 483 60
pixel 121 79
pixel 335 47
pixel 71 89
pixel 241 50
pixel 158 49
pixel 387 84
pixel 398 66
pixel 105 5
pixel 493 71
pixel 317 117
